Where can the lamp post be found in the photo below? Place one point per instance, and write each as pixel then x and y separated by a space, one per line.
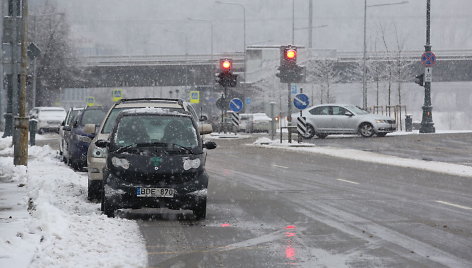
pixel 244 30
pixel 364 58
pixel 211 32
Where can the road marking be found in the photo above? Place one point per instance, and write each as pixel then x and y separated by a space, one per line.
pixel 279 166
pixel 452 205
pixel 353 182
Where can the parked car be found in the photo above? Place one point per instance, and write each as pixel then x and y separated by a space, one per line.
pixel 257 122
pixel 49 118
pixel 323 120
pixel 96 156
pixel 155 158
pixel 65 134
pixel 82 132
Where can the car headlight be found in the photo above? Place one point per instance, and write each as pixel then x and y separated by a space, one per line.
pixel 84 138
pixel 191 163
pixel 120 162
pixel 99 152
pixel 380 121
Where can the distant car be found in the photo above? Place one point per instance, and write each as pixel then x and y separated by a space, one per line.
pixel 96 156
pixel 82 132
pixel 156 158
pixel 326 119
pixel 49 118
pixel 65 134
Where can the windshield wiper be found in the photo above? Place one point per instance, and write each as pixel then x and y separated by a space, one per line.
pixel 149 144
pixel 182 147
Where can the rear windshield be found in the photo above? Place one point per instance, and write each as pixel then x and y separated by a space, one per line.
pixel 110 122
pixel 92 117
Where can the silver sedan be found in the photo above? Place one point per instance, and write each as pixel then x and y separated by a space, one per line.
pixel 325 119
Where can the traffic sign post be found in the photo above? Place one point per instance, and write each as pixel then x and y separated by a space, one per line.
pixel 301 101
pixel 428 74
pixel 301 127
pixel 194 96
pixel 235 119
pixel 116 95
pixel 236 105
pixel 428 59
pixel 90 101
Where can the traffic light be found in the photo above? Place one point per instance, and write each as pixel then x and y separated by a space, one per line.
pixel 290 72
pixel 419 79
pixel 226 78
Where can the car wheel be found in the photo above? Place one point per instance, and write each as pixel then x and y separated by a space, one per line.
pixel 366 130
pixel 200 210
pixel 40 131
pixel 382 134
pixel 94 190
pixel 310 132
pixel 106 206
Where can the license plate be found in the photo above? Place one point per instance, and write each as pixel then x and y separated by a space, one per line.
pixel 154 192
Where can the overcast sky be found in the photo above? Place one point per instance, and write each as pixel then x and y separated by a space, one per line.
pixel 158 27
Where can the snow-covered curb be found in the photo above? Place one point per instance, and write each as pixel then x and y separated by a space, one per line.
pixel 53 225
pixel 433 166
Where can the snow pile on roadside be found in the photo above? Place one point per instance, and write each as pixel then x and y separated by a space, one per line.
pixel 285 143
pixel 229 135
pixel 359 155
pixel 62 228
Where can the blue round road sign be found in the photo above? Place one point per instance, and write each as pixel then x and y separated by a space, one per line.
pixel 428 59
pixel 301 101
pixel 236 105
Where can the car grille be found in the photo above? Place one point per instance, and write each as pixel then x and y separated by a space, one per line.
pixel 391 121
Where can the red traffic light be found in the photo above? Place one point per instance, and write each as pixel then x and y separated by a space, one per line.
pixel 226 65
pixel 290 54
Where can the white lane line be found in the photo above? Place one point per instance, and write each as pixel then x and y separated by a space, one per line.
pixel 452 205
pixel 279 166
pixel 353 182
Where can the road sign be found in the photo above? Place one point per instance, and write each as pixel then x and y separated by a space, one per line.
pixel 294 89
pixel 248 101
pixel 116 95
pixel 428 59
pixel 220 103
pixel 235 119
pixel 301 101
pixel 301 126
pixel 194 96
pixel 428 74
pixel 33 51
pixel 90 101
pixel 236 105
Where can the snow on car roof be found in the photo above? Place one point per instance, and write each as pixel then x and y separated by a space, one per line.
pixel 149 110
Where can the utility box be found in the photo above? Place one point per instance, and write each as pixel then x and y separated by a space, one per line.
pixel 408 123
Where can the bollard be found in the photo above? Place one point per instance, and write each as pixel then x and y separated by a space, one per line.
pixel 33 125
pixel 408 123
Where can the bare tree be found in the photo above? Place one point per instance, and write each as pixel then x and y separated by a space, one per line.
pixel 50 32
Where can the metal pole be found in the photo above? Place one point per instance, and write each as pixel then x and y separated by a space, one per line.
pixel 310 24
pixel 364 59
pixel 33 103
pixel 427 125
pixel 21 122
pixel 289 112
pixel 272 123
pixel 293 22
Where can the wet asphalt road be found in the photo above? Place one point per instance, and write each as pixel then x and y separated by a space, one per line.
pixel 271 208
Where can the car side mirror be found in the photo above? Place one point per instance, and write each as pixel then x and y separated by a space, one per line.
pixel 205 129
pixel 209 145
pixel 67 128
pixel 89 129
pixel 102 143
pixel 203 118
pixel 63 123
pixel 348 114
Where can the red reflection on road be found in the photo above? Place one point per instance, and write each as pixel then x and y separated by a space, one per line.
pixel 291 227
pixel 225 225
pixel 288 234
pixel 290 253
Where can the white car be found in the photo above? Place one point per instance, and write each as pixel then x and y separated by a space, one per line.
pixel 49 118
pixel 258 122
pixel 325 119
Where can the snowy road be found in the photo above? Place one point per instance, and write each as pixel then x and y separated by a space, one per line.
pixel 275 208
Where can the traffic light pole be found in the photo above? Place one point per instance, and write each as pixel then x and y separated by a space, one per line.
pixel 289 111
pixel 427 125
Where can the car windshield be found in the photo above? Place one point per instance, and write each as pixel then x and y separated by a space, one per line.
pixel 356 110
pixel 92 116
pixel 45 114
pixel 111 119
pixel 154 129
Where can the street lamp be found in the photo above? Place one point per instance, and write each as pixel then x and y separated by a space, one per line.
pixel 244 29
pixel 211 32
pixel 364 59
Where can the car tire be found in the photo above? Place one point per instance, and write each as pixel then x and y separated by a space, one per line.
pixel 107 208
pixel 310 132
pixel 40 131
pixel 94 190
pixel 200 210
pixel 366 130
pixel 382 134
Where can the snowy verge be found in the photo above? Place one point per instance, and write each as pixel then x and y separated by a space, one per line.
pixel 46 220
pixel 229 135
pixel 433 166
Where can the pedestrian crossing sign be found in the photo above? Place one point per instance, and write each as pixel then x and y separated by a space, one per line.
pixel 117 94
pixel 194 96
pixel 90 101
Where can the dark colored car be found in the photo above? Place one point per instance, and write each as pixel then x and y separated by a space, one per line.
pixel 81 136
pixel 64 132
pixel 156 158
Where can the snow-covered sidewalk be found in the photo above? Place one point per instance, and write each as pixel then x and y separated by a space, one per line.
pixel 46 220
pixel 359 155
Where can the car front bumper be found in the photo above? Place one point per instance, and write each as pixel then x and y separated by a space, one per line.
pixel 385 128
